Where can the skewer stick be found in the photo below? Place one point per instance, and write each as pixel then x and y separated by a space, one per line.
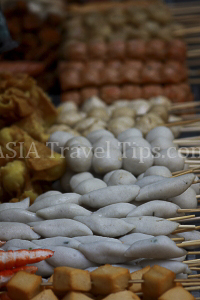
pixel 183 172
pixel 190 129
pixel 184 105
pixel 188 244
pixel 194 253
pixel 181 218
pixel 191 261
pixel 194 276
pixel 198 196
pixel 178 239
pixel 179 123
pixel 186 226
pixel 188 210
pixel 195 288
pixel 194 219
pixel 192 162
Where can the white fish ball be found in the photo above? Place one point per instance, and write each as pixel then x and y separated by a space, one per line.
pixel 97 134
pixel 159 131
pixel 78 140
pixel 158 171
pixel 107 176
pixel 121 177
pixel 107 160
pixel 186 200
pixel 79 158
pixel 128 133
pixel 89 185
pixel 78 178
pixel 160 143
pixel 171 159
pixel 137 160
pixel 58 139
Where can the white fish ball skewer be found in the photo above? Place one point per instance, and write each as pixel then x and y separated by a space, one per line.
pixel 78 178
pixel 97 134
pixel 18 215
pixel 109 227
pixel 110 195
pixel 47 194
pixel 78 140
pixel 158 171
pixel 107 176
pixel 157 208
pixel 186 200
pixel 54 200
pixel 14 230
pixel 160 247
pixel 58 139
pixel 79 157
pixel 106 160
pixel 162 143
pixel 68 257
pixel 22 205
pixel 61 227
pixel 121 177
pixel 131 238
pixel 167 188
pixel 170 158
pixel 128 133
pixel 104 252
pixel 89 185
pixel 149 180
pixel 152 225
pixel 118 210
pixel 135 141
pixel 95 238
pixel 159 131
pixel 61 211
pixel 137 160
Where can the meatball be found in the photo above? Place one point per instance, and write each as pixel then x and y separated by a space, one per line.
pixel 177 50
pixel 151 72
pixel 70 79
pixel 90 77
pixel 77 51
pixel 152 91
pixel 156 49
pixel 136 49
pixel 116 50
pixel 110 76
pixel 110 93
pixel 129 74
pixel 174 72
pixel 97 50
pixel 131 92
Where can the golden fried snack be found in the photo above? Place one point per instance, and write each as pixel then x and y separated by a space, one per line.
pixel 137 287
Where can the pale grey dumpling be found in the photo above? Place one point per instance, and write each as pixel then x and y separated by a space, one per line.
pixel 97 134
pixel 172 159
pixel 158 171
pixel 121 177
pixel 186 200
pixel 137 160
pixel 89 185
pixel 78 178
pixel 159 131
pixel 160 143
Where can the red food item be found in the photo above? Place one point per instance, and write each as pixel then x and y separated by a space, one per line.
pixel 71 96
pixel 130 92
pixel 156 49
pixel 86 93
pixel 151 72
pixel 77 51
pixel 90 77
pixel 130 74
pixel 110 76
pixel 97 50
pixel 177 50
pixel 114 64
pixel 174 72
pixel 136 49
pixel 175 92
pixel 70 79
pixel 152 91
pixel 96 64
pixel 116 50
pixel 74 65
pixel 110 93
pixel 136 64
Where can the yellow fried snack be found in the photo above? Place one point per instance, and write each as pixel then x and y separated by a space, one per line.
pixel 178 293
pixel 70 279
pixel 76 296
pixel 137 287
pixel 45 295
pixel 156 282
pixel 124 295
pixel 13 177
pixel 108 279
pixel 24 286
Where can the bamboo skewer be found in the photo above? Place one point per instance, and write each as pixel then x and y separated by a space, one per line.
pixel 188 244
pixel 179 173
pixel 188 210
pixel 179 123
pixel 184 105
pixel 193 288
pixel 178 239
pixel 181 218
pixel 194 276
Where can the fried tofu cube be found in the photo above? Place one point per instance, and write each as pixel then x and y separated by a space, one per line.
pixel 137 287
pixel 76 296
pixel 45 295
pixel 108 279
pixel 177 293
pixel 24 286
pixel 68 279
pixel 156 282
pixel 50 287
pixel 125 295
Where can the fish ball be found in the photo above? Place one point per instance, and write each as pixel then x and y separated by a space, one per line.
pixel 157 208
pixel 160 143
pixel 128 133
pixel 121 177
pixel 14 230
pixel 106 160
pixel 24 204
pixel 65 181
pixel 106 141
pixel 47 194
pixel 95 238
pixel 79 158
pixel 135 142
pixel 137 160
pixel 129 239
pixel 97 134
pixel 59 138
pixel 140 176
pixel 186 200
pixel 78 178
pixel 171 159
pixel 118 210
pixel 18 215
pixel 78 140
pixel 158 171
pixel 89 185
pixel 107 176
pixel 104 252
pixel 159 131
